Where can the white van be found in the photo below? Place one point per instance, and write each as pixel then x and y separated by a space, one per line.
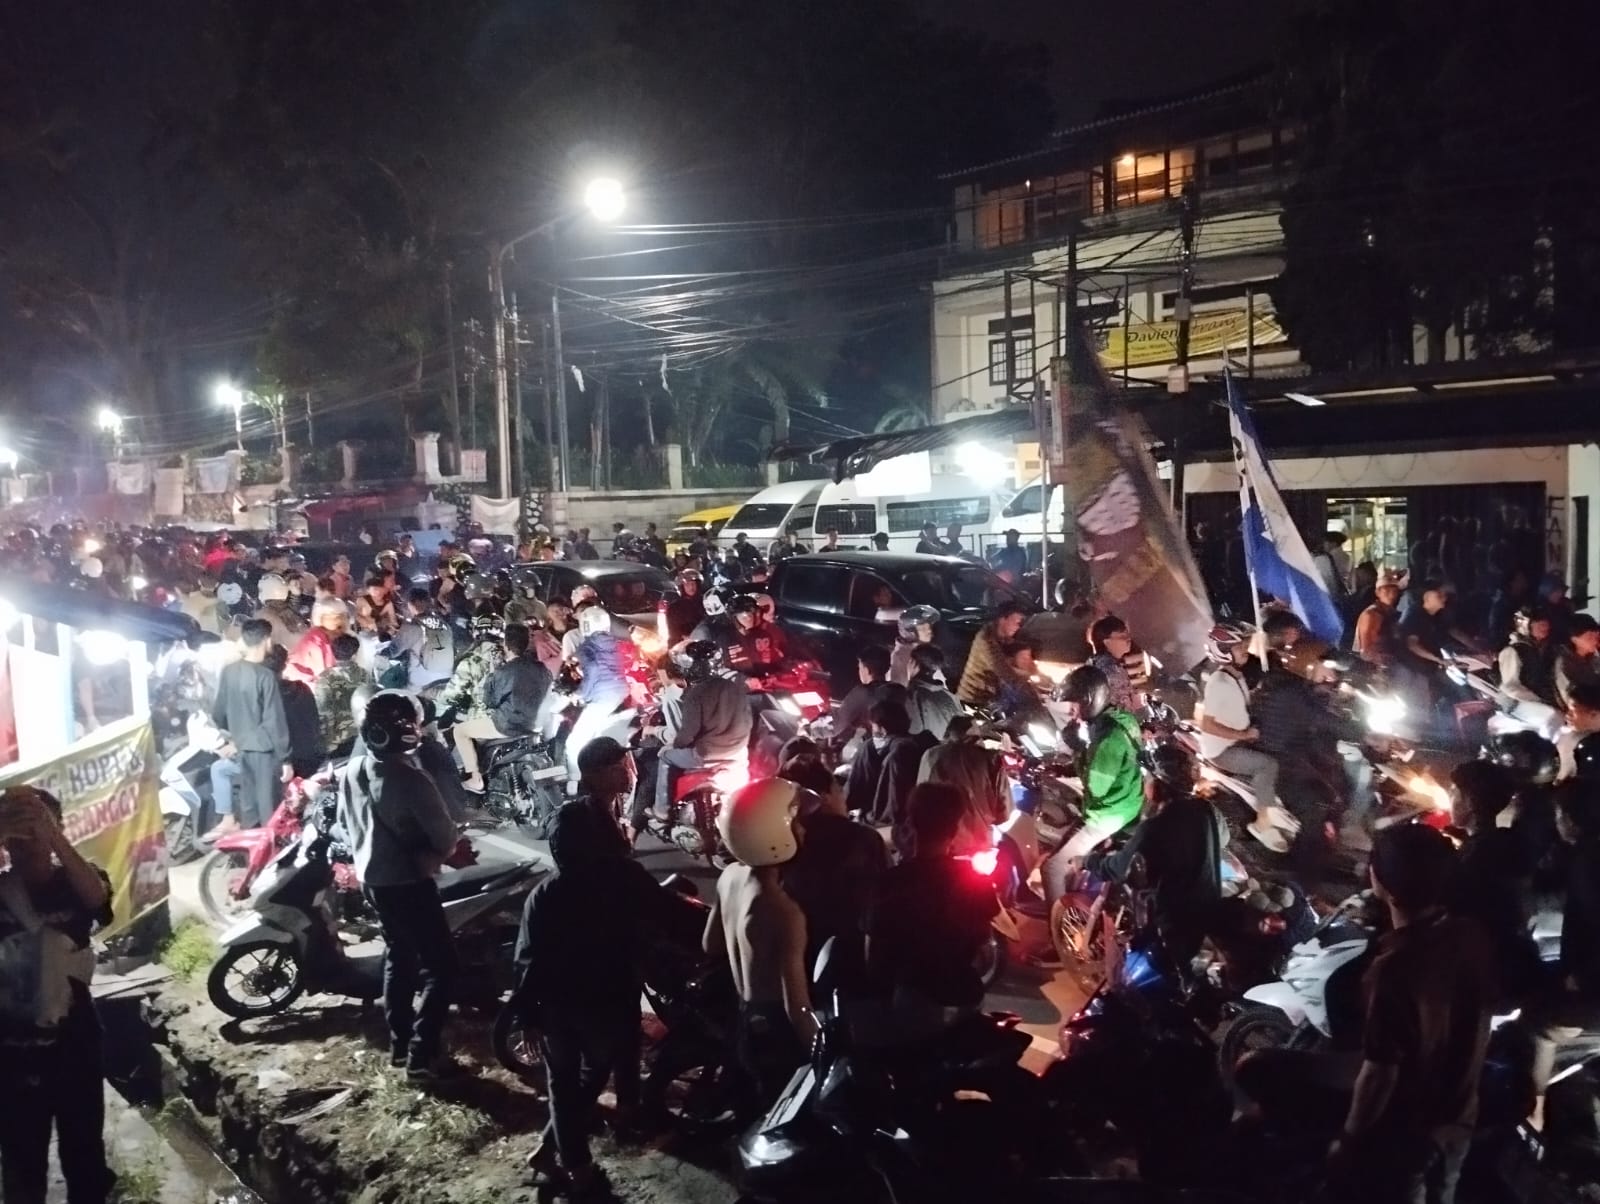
pixel 949 499
pixel 1027 514
pixel 776 509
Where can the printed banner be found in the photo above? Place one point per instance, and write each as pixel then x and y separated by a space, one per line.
pixel 497 516
pixel 129 477
pixel 169 492
pixel 1210 334
pixel 109 790
pixel 1138 560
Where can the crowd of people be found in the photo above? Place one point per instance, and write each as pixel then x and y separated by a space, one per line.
pixel 875 858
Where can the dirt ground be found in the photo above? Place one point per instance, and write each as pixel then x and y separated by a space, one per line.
pixel 309 1110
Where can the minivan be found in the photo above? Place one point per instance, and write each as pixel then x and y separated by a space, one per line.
pixel 695 524
pixel 772 512
pixel 950 498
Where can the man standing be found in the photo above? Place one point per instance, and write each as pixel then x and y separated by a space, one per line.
pixel 929 543
pixel 952 541
pixel 831 543
pixel 1011 561
pixel 745 551
pixel 249 713
pixel 401 833
pixel 786 546
pixel 986 663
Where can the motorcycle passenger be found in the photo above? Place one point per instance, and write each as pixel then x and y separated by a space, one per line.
pixel 51 902
pixel 1019 701
pixel 604 684
pixel 1112 642
pixel 717 626
pixel 986 663
pixel 713 726
pixel 513 696
pixel 761 932
pixel 314 653
pixel 914 629
pixel 1113 789
pixel 930 918
pixel 757 649
pixel 1180 842
pixel 929 701
pixel 333 692
pixel 375 606
pixel 580 952
pixel 1228 736
pixel 463 693
pixel 547 639
pixel 398 826
pixel 277 610
pixel 965 762
pixel 872 670
pixel 688 610
pixel 885 771
pixel 1578 662
pixel 1527 663
pixel 1377 634
pixel 425 641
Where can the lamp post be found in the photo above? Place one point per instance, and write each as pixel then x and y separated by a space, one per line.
pixel 231 396
pixel 604 198
pixel 109 421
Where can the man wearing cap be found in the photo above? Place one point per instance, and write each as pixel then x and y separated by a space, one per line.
pixel 1011 561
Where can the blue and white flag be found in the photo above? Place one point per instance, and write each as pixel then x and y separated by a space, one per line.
pixel 1277 558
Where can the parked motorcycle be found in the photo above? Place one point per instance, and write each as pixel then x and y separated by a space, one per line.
pixel 288 944
pixel 185 798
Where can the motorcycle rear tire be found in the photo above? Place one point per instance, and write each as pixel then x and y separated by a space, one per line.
pixel 216 872
pixel 1257 1027
pixel 226 1003
pixel 992 959
pixel 516 1047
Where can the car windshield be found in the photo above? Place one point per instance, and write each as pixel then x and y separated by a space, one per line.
pixel 762 516
pixel 632 593
pixel 965 587
pixel 687 534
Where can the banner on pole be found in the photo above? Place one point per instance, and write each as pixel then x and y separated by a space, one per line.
pixel 109 789
pixel 1141 344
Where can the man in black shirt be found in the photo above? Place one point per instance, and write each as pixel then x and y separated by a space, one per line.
pixel 580 953
pixel 49 1036
pixel 1426 631
pixel 512 697
pixel 932 914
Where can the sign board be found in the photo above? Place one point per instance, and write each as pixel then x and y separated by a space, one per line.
pixel 1142 344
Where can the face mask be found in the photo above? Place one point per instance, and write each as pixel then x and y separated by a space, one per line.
pixel 880 742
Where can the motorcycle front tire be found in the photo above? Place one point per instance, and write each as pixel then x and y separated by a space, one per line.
pixel 992 959
pixel 216 872
pixel 1260 1026
pixel 224 1001
pixel 516 1047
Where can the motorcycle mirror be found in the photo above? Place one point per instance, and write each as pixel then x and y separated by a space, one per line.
pixel 887 615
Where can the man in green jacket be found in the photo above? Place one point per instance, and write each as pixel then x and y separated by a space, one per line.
pixel 1113 786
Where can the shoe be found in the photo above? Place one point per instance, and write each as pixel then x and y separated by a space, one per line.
pixel 226 826
pixel 1269 836
pixel 1281 819
pixel 473 784
pixel 544 1165
pixel 436 1070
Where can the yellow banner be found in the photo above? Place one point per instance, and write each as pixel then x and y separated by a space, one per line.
pixel 109 787
pixel 1210 334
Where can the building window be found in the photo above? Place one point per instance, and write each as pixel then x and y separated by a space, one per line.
pixel 1022 355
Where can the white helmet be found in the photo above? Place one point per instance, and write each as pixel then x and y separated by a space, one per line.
pixel 756 822
pixel 593 619
pixel 229 593
pixel 272 588
pixel 91 568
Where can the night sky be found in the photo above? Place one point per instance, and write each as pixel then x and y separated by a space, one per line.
pixel 1102 51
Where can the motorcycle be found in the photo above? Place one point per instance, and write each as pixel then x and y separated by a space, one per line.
pixel 185 795
pixel 691 820
pixel 288 944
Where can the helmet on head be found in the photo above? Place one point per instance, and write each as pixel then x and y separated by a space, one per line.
pixel 701 659
pixel 488 627
pixel 229 593
pixel 742 604
pixel 460 565
pixel 477 587
pixel 272 588
pixel 913 617
pixel 1173 765
pixel 1532 759
pixel 1223 639
pixel 1088 688
pixel 687 575
pixel 757 822
pixel 718 598
pixel 1586 755
pixel 584 593
pixel 392 725
pixel 593 619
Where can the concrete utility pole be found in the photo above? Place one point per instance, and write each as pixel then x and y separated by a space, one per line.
pixel 563 470
pixel 516 399
pixel 1178 381
pixel 502 395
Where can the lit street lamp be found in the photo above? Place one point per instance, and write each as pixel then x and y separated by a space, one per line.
pixel 231 396
pixel 8 458
pixel 109 421
pixel 605 199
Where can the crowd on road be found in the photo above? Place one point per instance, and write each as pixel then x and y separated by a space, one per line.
pixel 859 842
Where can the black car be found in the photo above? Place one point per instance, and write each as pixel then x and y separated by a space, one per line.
pixel 839 602
pixel 628 590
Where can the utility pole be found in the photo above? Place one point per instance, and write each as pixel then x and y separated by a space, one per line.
pixel 564 472
pixel 516 377
pixel 549 403
pixel 1178 382
pixel 311 434
pixel 502 395
pixel 455 373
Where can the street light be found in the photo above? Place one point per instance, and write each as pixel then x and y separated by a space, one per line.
pixel 231 396
pixel 8 458
pixel 109 421
pixel 605 198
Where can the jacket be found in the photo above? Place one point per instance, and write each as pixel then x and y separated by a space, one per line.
pixel 931 706
pixel 1527 671
pixel 1113 787
pixel 1296 725
pixel 513 694
pixel 395 820
pixel 600 661
pixel 333 692
pixel 464 691
pixel 978 773
pixel 986 668
pixel 715 720
pixel 311 657
pixel 249 709
pixel 287 625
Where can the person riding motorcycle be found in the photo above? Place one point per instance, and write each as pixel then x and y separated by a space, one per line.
pixel 1113 791
pixel 603 686
pixel 688 610
pixel 425 644
pixel 463 694
pixel 1228 734
pixel 717 626
pixel 278 611
pixel 1527 663
pixel 714 723
pixel 916 626
pixel 756 648
pixel 447 587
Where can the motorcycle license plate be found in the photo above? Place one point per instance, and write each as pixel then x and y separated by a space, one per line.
pixel 789 1105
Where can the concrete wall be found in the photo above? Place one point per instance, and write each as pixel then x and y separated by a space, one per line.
pixel 636 507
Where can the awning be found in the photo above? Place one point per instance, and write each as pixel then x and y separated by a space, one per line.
pixel 93 612
pixel 862 453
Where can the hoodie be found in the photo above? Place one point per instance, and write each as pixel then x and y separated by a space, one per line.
pixel 1113 787
pixel 395 820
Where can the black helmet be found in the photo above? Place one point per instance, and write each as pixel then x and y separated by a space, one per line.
pixel 743 604
pixel 1173 765
pixel 1087 687
pixel 392 725
pixel 1532 760
pixel 701 659
pixel 1586 755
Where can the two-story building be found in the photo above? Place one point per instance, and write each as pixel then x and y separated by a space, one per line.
pixel 1107 199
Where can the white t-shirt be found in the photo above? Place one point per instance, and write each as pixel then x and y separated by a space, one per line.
pixel 1228 702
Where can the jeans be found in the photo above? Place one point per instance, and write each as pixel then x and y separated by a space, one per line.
pixel 1071 854
pixel 1257 766
pixel 224 772
pixel 418 956
pixel 1420 1169
pixel 57 1086
pixel 673 759
pixel 769 1052
pixel 580 1054
pixel 589 724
